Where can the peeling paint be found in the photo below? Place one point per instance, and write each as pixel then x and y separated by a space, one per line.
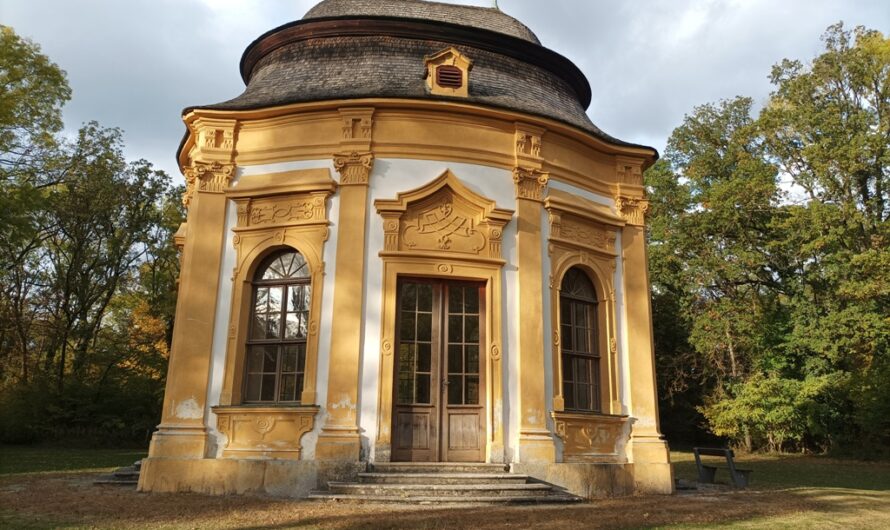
pixel 189 409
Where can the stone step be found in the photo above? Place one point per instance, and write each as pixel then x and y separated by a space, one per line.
pixel 442 478
pixel 115 482
pixel 439 500
pixel 439 490
pixel 436 467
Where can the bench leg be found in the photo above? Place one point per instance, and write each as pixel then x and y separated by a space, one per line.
pixel 706 474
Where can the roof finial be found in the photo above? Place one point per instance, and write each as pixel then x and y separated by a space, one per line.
pixel 495 2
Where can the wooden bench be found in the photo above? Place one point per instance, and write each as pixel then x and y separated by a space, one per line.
pixel 707 473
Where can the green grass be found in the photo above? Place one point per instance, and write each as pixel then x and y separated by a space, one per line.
pixel 795 471
pixel 16 459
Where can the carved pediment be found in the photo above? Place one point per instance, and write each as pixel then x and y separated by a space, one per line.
pixel 443 216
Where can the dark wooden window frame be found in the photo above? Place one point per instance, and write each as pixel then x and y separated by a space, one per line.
pixel 575 355
pixel 289 286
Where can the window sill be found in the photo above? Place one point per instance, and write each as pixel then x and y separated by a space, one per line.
pixel 591 436
pixel 264 431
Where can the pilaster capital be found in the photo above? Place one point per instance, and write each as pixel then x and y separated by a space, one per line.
pixel 632 209
pixel 206 177
pixel 530 183
pixel 354 168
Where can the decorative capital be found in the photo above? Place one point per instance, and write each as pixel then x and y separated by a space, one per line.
pixel 206 177
pixel 354 168
pixel 530 183
pixel 632 210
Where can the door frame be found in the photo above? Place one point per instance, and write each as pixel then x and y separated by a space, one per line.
pixel 438 450
pixel 484 271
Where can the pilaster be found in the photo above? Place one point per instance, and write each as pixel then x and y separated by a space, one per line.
pixel 183 430
pixel 647 449
pixel 536 444
pixel 339 439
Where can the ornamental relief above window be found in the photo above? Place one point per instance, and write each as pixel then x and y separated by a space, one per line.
pixel 443 216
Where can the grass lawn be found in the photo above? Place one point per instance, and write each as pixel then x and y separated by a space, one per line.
pixel 52 488
pixel 16 459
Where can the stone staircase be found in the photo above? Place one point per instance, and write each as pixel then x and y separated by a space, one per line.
pixel 443 483
pixel 124 476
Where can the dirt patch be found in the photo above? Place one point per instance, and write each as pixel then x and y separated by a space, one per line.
pixel 73 500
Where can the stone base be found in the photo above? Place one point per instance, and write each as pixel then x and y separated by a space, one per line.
pixel 226 476
pixel 537 447
pixel 589 481
pixel 653 473
pixel 179 442
pixel 338 446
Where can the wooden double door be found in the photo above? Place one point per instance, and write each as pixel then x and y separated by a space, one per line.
pixel 439 394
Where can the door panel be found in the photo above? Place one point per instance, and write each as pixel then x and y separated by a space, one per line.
pixel 439 388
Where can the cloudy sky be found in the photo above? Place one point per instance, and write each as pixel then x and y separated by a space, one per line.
pixel 135 64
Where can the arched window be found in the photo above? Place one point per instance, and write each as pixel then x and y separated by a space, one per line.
pixel 279 322
pixel 579 342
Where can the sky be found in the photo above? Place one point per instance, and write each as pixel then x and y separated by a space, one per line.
pixel 135 64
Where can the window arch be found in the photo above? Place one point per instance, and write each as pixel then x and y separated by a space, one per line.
pixel 579 342
pixel 279 323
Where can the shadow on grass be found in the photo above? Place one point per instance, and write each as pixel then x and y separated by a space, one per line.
pixel 788 471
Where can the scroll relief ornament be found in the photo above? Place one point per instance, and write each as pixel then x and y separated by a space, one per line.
pixel 442 227
pixel 584 234
pixel 279 213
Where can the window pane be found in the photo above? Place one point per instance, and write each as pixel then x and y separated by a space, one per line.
pixel 301 357
pixel 253 388
pixel 472 390
pixel 582 370
pixel 300 379
pixel 270 326
pixel 568 393
pixel 568 343
pixel 289 359
pixel 568 368
pixel 406 331
pixel 424 326
pixel 423 389
pixel 455 328
pixel 255 359
pixel 472 361
pixel 455 300
pixel 406 389
pixel 472 329
pixel 276 295
pixel 583 397
pixel 406 358
pixel 292 328
pixel 425 297
pixel 288 388
pixel 270 361
pixel 424 357
pixel 581 342
pixel 455 390
pixel 471 300
pixel 262 299
pixel 455 358
pixel 268 389
pixel 409 296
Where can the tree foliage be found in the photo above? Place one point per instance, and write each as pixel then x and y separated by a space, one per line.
pixel 769 244
pixel 87 278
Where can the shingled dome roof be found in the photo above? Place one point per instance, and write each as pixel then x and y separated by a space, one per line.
pixel 356 49
pixel 487 18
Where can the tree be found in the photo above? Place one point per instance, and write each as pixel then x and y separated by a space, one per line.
pixel 775 298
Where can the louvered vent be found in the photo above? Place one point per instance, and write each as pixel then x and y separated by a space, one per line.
pixel 449 77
